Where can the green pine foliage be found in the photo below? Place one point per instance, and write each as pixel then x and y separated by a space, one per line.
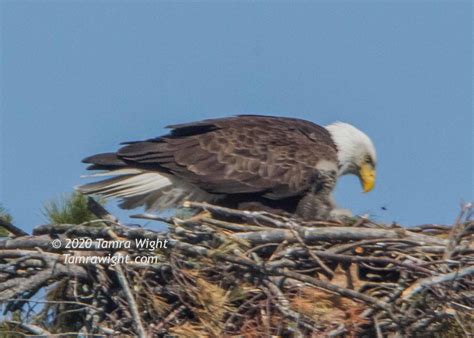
pixel 69 209
pixel 6 217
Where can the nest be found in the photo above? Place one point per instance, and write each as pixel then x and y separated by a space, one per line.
pixel 225 272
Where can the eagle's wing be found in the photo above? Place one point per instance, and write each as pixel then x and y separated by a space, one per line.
pixel 247 154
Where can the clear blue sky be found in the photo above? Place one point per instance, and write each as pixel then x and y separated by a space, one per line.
pixel 79 77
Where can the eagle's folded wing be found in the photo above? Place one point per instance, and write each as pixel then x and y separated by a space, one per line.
pixel 275 157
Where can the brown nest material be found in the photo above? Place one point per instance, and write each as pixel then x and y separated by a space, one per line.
pixel 226 272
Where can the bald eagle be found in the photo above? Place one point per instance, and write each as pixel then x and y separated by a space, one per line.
pixel 248 161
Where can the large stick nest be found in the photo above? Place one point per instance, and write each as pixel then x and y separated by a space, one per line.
pixel 229 272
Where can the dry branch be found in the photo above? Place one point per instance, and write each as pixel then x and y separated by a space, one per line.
pixel 11 228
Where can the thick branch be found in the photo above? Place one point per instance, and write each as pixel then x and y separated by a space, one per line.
pixel 335 234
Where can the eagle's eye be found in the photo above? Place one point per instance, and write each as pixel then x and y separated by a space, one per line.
pixel 369 161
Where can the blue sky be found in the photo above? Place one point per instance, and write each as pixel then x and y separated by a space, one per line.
pixel 79 77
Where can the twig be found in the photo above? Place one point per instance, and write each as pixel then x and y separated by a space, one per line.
pixel 254 216
pixel 11 228
pixel 457 231
pixel 152 217
pixel 428 282
pixel 34 329
pixel 98 210
pixel 284 306
pixel 169 317
pixel 131 301
pixel 326 269
pixel 378 330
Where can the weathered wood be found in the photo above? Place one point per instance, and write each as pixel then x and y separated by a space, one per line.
pixel 341 234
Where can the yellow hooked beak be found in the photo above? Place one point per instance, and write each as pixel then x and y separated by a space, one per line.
pixel 367 176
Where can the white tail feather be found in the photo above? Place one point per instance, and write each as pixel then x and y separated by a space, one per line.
pixel 116 172
pixel 155 191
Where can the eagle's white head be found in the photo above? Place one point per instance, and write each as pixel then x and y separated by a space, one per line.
pixel 356 153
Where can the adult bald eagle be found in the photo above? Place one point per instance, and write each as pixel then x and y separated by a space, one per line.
pixel 248 161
